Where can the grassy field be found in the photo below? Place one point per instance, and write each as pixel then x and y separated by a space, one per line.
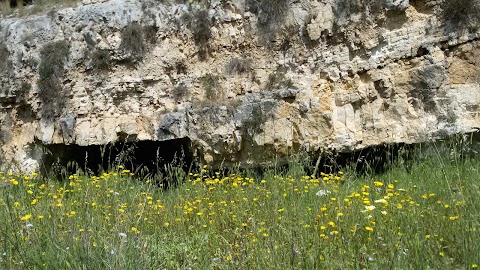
pixel 423 217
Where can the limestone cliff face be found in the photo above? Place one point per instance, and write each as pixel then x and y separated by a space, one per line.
pixel 244 81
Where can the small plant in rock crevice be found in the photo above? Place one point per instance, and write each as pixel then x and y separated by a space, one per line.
pixel 133 42
pixel 150 33
pixel 259 115
pixel 101 60
pixel 180 92
pixel 237 66
pixel 22 92
pixel 6 69
pixel 354 14
pixel 277 80
pixel 461 14
pixel 5 63
pixel 343 9
pixel 271 14
pixel 212 87
pixel 200 25
pixel 136 39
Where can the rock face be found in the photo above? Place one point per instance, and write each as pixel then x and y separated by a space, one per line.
pixel 244 81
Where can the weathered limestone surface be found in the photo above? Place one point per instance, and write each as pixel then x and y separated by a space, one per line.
pixel 318 80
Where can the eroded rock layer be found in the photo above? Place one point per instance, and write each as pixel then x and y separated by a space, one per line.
pixel 243 81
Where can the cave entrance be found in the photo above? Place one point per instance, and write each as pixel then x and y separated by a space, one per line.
pixel 146 157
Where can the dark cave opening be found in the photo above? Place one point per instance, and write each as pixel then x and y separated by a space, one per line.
pixel 144 157
pixel 370 160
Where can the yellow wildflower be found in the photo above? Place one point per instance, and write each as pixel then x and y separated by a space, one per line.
pixel 26 217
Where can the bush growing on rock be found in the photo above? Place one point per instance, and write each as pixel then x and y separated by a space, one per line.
pixel 133 42
pixel 150 33
pixel 50 91
pixel 277 80
pixel 6 69
pixel 461 13
pixel 343 9
pixel 101 60
pixel 238 66
pixel 52 59
pixel 200 25
pixel 22 92
pixel 180 91
pixel 5 63
pixel 271 14
pixel 211 86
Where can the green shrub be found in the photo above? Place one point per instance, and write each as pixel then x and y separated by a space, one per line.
pixel 271 14
pixel 461 13
pixel 211 86
pixel 277 80
pixel 180 67
pixel 180 91
pixel 5 135
pixel 150 33
pixel 253 124
pixel 50 91
pixel 22 92
pixel 133 42
pixel 52 59
pixel 200 26
pixel 5 63
pixel 32 62
pixel 238 66
pixel 343 9
pixel 101 59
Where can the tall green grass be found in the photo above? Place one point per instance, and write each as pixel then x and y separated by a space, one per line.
pixel 421 216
